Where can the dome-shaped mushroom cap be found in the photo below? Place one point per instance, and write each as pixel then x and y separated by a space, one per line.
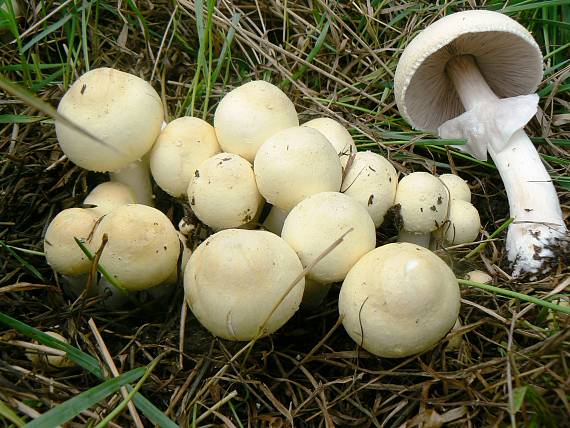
pixel 181 147
pixel 506 53
pixel 108 196
pixel 295 163
pixel 463 223
pixel 223 193
pixel 337 135
pixel 317 222
pixel 399 300
pixel 62 252
pixel 236 277
pixel 142 248
pixel 250 114
pixel 372 181
pixel 423 201
pixel 120 109
pixel 458 187
pixel 52 361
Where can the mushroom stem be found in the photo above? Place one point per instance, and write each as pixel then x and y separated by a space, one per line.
pixel 136 175
pixel 538 227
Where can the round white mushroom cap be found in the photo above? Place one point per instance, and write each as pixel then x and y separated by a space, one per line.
pixel 108 196
pixel 296 163
pixel 317 222
pixel 506 53
pixel 181 147
pixel 458 187
pixel 463 223
pixel 337 135
pixel 372 181
pixel 423 201
pixel 120 109
pixel 236 278
pixel 398 300
pixel 479 276
pixel 250 114
pixel 142 248
pixel 52 360
pixel 223 193
pixel 62 252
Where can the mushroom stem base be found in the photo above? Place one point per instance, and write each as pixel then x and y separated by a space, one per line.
pixel 538 233
pixel 136 175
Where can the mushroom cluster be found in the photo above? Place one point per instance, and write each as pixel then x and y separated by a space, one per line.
pixel 294 208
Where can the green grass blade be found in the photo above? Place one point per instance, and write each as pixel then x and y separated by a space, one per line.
pixel 121 406
pixel 152 412
pixel 514 294
pixel 90 364
pixel 19 118
pixel 22 261
pixel 7 413
pixel 71 408
pixel 81 358
pixel 482 245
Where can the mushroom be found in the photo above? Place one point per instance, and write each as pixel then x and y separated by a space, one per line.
pixel 122 110
pixel 314 225
pixel 399 300
pixel 337 135
pixel 142 248
pixel 457 187
pixel 238 279
pixel 423 201
pixel 181 147
pixel 50 358
pixel 462 226
pixel 223 193
pixel 107 196
pixel 250 114
pixel 62 252
pixel 468 76
pixel 372 181
pixel 479 276
pixel 274 220
pixel 296 163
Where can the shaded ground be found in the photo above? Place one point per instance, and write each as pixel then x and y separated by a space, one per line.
pixel 512 366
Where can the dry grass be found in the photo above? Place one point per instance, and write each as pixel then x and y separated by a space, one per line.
pixel 512 365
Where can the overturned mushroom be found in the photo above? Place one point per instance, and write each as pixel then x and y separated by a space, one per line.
pixel 468 75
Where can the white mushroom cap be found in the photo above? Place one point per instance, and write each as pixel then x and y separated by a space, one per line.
pixel 317 222
pixel 223 193
pixel 463 223
pixel 181 147
pixel 120 109
pixel 236 277
pixel 296 163
pixel 372 181
pixel 479 276
pixel 108 196
pixel 38 357
pixel 250 114
pixel 458 187
pixel 423 202
pixel 399 300
pixel 142 248
pixel 62 252
pixel 275 219
pixel 337 135
pixel 507 55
